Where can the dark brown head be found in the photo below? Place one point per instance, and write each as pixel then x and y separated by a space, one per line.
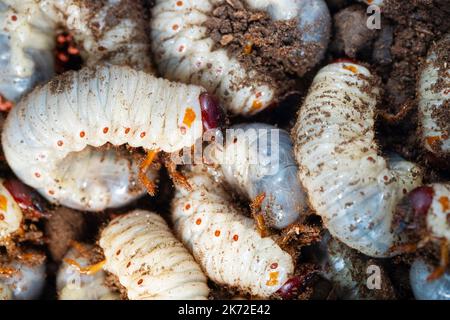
pixel 213 115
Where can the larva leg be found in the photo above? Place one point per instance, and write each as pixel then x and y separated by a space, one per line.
pixel 143 168
pixel 440 270
pixel 176 176
pixel 255 207
pixel 405 109
pixel 149 261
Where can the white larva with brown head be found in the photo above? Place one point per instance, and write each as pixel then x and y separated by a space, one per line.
pixel 149 261
pixel 434 99
pixel 47 133
pixel 352 187
pixel 227 244
pixel 109 30
pixel 184 50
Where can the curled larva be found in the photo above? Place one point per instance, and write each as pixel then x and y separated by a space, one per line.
pixel 184 51
pixel 46 135
pixel 352 187
pixel 258 160
pixel 149 261
pixel 116 33
pixel 25 280
pixel 74 284
pixel 424 289
pixel 227 244
pixel 434 99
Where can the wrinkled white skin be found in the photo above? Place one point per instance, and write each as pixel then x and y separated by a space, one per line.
pixel 43 132
pixel 73 285
pixel 237 256
pixel 352 187
pixel 258 158
pixel 432 102
pixel 423 289
pixel 27 283
pixel 27 44
pixel 10 212
pixel 149 261
pixel 185 53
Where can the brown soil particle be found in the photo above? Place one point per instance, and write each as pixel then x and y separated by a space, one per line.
pixel 64 227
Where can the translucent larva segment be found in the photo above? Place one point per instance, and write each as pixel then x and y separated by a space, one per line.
pixel 207 222
pixel 349 184
pixel 74 285
pixel 27 280
pixel 434 99
pixel 259 159
pixel 149 261
pixel 184 50
pixel 109 104
pixel 10 212
pixel 423 289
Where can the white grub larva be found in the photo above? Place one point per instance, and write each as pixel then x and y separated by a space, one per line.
pixel 434 100
pixel 352 187
pixel 45 135
pixel 184 51
pixel 149 261
pixel 227 244
pixel 116 33
pixel 258 160
pixel 24 280
pixel 75 283
pixel 424 289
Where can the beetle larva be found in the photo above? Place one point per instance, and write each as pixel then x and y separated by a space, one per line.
pixel 352 187
pixel 227 244
pixel 116 33
pixel 184 51
pixel 24 280
pixel 258 160
pixel 424 289
pixel 47 132
pixel 434 99
pixel 149 261
pixel 74 283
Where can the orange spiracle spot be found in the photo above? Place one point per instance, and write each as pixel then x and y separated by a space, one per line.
pixel 3 203
pixel 142 134
pixel 37 174
pixel 256 105
pixel 14 18
pixel 179 3
pixel 274 265
pixel 51 192
pixel 2 217
pixel 60 143
pixel 127 130
pixel 82 134
pixel 273 278
pixel 350 68
pixel 187 206
pixel 175 27
pixel 217 233
pixel 235 237
pixel 198 221
pixel 140 281
pixel 105 130
pixel 189 117
pixel 445 203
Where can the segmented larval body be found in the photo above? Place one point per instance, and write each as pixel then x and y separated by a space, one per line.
pixel 225 243
pixel 45 133
pixel 434 99
pixel 10 213
pixel 352 187
pixel 184 51
pixel 105 30
pixel 259 159
pixel 149 261
pixel 75 285
pixel 25 281
pixel 424 289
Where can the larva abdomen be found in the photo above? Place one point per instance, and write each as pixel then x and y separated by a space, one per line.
pixel 149 261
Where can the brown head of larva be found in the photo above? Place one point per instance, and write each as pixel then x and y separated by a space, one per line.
pixel 213 115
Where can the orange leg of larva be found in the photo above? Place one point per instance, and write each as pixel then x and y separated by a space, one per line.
pixel 177 177
pixel 143 167
pixel 88 270
pixel 439 271
pixel 255 207
pixel 400 115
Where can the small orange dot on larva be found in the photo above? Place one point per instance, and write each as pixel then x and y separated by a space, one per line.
pixel 105 130
pixel 37 174
pixel 60 143
pixel 274 265
pixel 175 27
pixel 217 233
pixel 51 192
pixel 118 252
pixel 235 237
pixel 140 281
pixel 179 3
pixel 198 221
pixel 128 264
pixel 142 134
pixel 82 134
pixel 127 130
pixel 187 206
